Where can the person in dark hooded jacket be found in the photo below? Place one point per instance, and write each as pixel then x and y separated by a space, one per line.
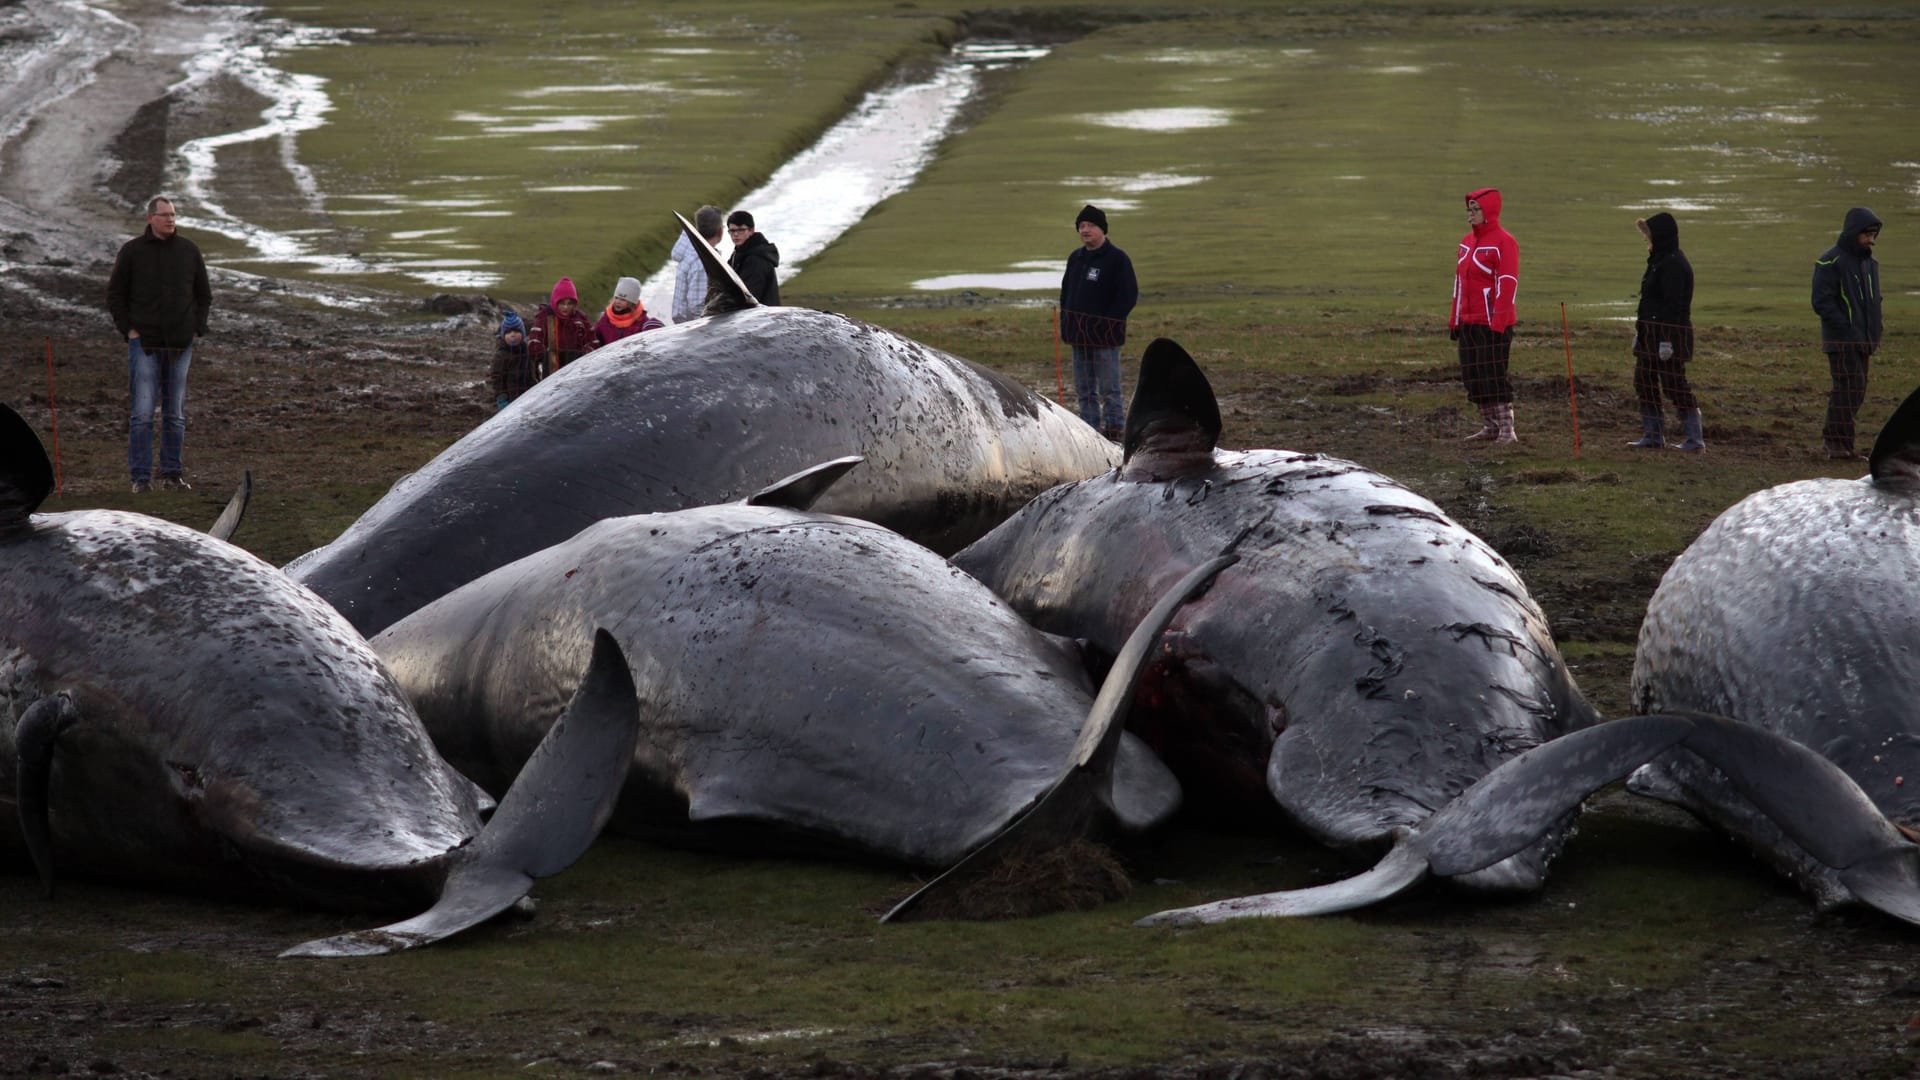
pixel 516 366
pixel 754 258
pixel 1663 336
pixel 1846 296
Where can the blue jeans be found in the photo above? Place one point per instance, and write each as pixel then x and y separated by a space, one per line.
pixel 1096 382
pixel 156 379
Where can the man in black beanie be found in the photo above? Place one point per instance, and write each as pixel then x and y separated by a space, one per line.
pixel 1096 294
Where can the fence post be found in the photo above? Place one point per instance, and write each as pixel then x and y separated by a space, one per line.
pixel 53 411
pixel 1059 387
pixel 1573 397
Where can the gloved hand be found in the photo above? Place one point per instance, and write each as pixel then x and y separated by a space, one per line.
pixel 1453 333
pixel 499 403
pixel 1666 350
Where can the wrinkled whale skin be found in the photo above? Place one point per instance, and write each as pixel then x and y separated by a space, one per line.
pixel 706 412
pixel 808 682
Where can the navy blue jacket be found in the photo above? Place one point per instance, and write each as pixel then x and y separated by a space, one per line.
pixel 1096 293
pixel 1846 288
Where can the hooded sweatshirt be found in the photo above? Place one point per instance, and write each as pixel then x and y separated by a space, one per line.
pixel 755 260
pixel 1666 293
pixel 1488 272
pixel 1846 287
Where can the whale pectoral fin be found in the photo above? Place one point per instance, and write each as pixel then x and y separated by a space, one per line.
pixel 799 491
pixel 1084 790
pixel 34 739
pixel 1172 392
pixel 1402 868
pixel 1518 802
pixel 552 813
pixel 229 520
pixel 725 291
pixel 1820 808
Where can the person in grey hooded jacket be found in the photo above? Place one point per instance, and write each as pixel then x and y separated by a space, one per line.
pixel 1846 296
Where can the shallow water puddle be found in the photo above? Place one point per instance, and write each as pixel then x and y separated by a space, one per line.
pixel 1176 119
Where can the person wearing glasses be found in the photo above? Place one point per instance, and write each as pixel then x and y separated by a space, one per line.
pixel 159 298
pixel 754 258
pixel 1485 277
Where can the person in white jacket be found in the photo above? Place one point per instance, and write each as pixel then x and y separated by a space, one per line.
pixel 690 279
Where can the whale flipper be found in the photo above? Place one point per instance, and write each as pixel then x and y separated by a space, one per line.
pixel 1077 797
pixel 34 738
pixel 553 812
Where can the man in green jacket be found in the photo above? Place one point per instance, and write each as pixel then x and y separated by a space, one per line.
pixel 159 298
pixel 1846 296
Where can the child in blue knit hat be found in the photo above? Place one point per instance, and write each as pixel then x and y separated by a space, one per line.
pixel 514 367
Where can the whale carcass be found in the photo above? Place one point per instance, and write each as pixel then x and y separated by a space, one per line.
pixel 1797 611
pixel 707 412
pixel 806 682
pixel 1364 663
pixel 175 712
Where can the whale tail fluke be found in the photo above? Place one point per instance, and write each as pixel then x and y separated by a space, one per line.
pixel 554 811
pixel 725 291
pixel 1812 801
pixel 1084 791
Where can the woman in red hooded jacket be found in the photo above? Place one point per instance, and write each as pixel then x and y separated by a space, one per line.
pixel 1484 282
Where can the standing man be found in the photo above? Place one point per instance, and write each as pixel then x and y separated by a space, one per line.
pixel 1663 336
pixel 690 274
pixel 1096 294
pixel 159 297
pixel 754 258
pixel 1485 278
pixel 1846 296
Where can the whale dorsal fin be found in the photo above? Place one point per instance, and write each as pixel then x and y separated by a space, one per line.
pixel 798 492
pixel 1172 396
pixel 26 474
pixel 725 291
pixel 229 519
pixel 1895 461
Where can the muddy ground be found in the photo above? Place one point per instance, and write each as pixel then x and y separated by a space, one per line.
pixel 342 401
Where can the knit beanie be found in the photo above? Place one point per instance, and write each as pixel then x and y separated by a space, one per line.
pixel 1094 214
pixel 627 289
pixel 564 290
pixel 510 323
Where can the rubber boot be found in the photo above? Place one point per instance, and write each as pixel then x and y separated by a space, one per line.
pixel 1503 422
pixel 1489 426
pixel 1653 424
pixel 1690 423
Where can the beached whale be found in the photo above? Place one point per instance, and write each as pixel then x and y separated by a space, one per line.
pixel 807 682
pixel 1365 662
pixel 1385 667
pixel 1797 611
pixel 176 713
pixel 708 412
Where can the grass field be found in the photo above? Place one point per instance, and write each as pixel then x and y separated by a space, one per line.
pixel 1307 265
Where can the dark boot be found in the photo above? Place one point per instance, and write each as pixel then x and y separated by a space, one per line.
pixel 1690 423
pixel 1653 424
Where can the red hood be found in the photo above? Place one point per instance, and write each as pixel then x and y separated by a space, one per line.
pixel 1489 199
